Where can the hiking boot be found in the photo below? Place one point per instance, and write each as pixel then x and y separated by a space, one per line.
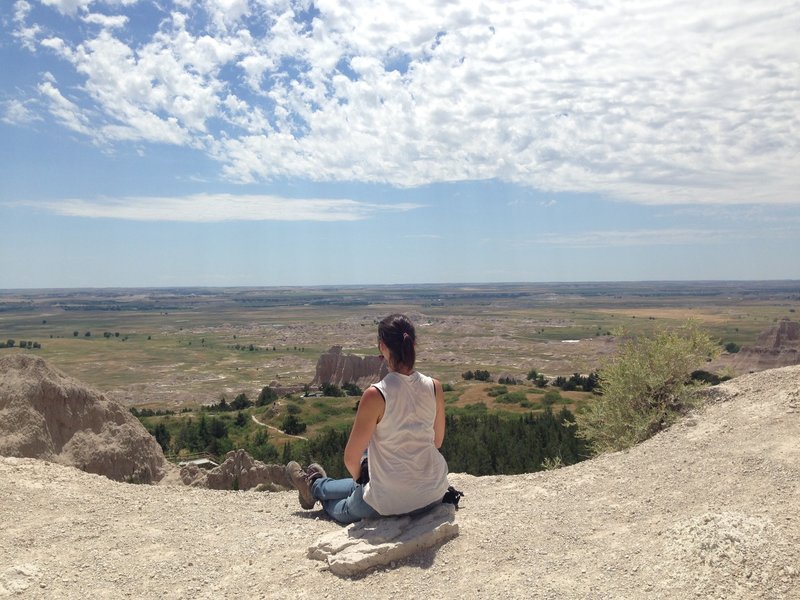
pixel 299 480
pixel 313 472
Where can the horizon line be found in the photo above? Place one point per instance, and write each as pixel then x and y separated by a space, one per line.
pixel 394 285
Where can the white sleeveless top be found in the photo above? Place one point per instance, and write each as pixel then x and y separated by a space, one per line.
pixel 406 470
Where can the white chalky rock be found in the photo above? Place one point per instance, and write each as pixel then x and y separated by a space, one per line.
pixel 376 542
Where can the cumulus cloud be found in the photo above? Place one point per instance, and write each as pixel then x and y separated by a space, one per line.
pixel 209 208
pixel 667 102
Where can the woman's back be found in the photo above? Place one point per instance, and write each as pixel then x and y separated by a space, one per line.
pixel 406 469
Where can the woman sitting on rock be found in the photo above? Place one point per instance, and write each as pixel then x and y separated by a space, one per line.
pixel 400 425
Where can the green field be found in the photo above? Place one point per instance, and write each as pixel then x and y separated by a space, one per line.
pixel 173 348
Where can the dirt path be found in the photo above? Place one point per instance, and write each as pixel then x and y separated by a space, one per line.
pixel 707 509
pixel 297 437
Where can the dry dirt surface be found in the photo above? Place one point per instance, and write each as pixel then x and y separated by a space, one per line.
pixel 707 509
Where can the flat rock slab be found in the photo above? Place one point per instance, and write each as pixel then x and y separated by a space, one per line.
pixel 377 542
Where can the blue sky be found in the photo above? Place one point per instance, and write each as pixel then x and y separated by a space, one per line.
pixel 282 142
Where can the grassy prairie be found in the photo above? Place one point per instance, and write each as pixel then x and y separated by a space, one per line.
pixel 174 348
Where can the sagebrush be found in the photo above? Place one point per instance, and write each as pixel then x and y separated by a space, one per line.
pixel 645 387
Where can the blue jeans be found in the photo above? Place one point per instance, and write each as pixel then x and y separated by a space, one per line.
pixel 342 499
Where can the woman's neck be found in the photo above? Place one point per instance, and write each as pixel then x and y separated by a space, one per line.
pixel 402 370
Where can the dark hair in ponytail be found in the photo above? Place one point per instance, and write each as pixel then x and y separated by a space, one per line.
pixel 397 332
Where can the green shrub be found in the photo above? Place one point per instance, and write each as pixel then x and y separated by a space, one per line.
pixel 240 402
pixel 551 397
pixel 645 387
pixel 292 425
pixel 732 347
pixel 483 375
pixel 266 396
pixel 512 398
pixel 351 389
pixel 331 390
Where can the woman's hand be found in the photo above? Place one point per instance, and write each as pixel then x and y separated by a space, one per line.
pixel 370 412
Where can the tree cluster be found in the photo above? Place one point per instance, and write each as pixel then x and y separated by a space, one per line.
pixel 488 444
pixel 241 402
pixel 332 390
pixel 326 448
pixel 149 412
pixel 212 436
pixel 9 343
pixel 351 389
pixel 578 382
pixel 266 396
pixel 292 425
pixel 202 435
pixel 537 378
pixel 478 444
pixel 477 375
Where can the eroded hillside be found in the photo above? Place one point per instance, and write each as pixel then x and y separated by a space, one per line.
pixel 706 509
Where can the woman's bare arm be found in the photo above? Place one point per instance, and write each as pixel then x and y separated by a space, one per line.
pixel 438 423
pixel 370 411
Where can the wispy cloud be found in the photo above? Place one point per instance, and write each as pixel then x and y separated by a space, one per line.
pixel 661 237
pixel 668 102
pixel 65 111
pixel 16 112
pixel 209 208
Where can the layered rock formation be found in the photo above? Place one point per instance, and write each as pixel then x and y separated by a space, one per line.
pixel 239 471
pixel 45 414
pixel 338 368
pixel 778 346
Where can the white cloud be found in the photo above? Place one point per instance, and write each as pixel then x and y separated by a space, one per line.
pixel 67 7
pixel 25 34
pixel 423 236
pixel 16 112
pixel 208 208
pixel 226 12
pixel 668 102
pixel 64 110
pixel 106 21
pixel 662 237
pixel 71 7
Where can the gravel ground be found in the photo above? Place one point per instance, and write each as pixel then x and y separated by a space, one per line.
pixel 707 509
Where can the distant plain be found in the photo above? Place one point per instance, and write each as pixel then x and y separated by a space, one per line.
pixel 172 348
